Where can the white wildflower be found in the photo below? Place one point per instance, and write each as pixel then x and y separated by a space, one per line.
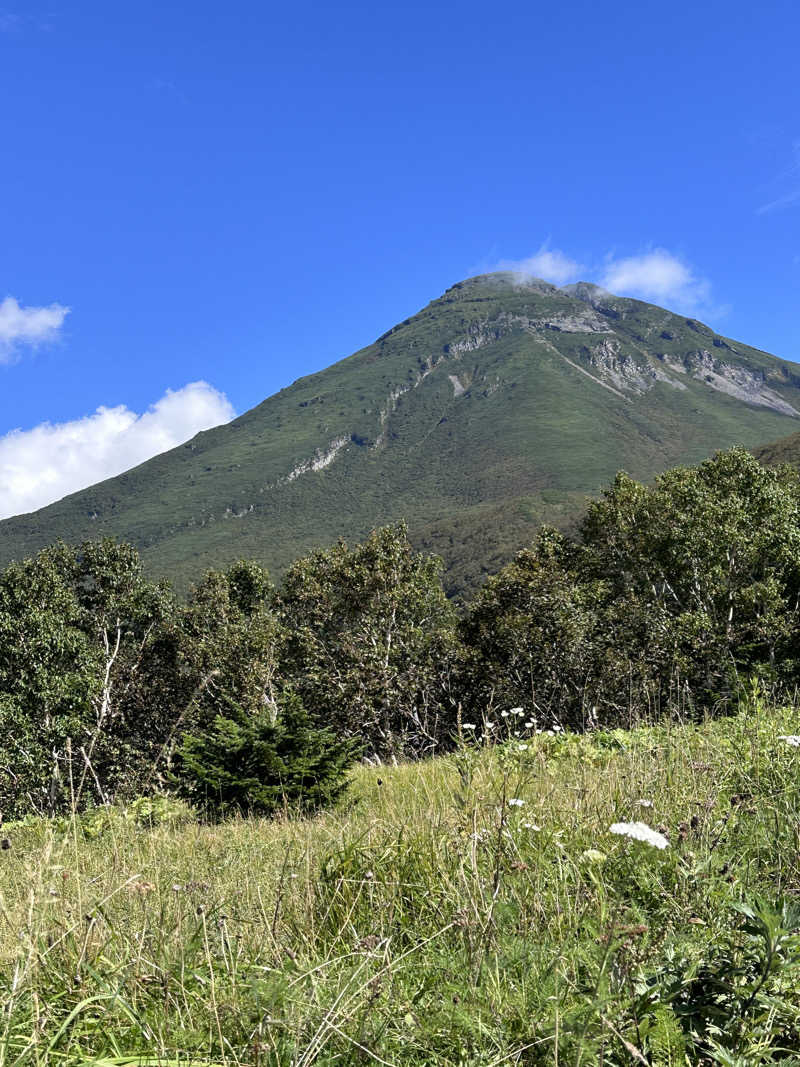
pixel 504 714
pixel 531 826
pixel 791 739
pixel 522 748
pixel 529 725
pixel 515 802
pixel 593 855
pixel 639 831
pixel 550 733
pixel 516 711
pixel 468 726
pixel 490 726
pixel 645 803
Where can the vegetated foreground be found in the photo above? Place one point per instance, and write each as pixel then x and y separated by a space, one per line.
pixel 474 909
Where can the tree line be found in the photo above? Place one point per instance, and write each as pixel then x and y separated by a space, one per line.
pixel 249 696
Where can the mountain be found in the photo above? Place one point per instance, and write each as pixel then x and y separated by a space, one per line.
pixel 500 405
pixel 786 450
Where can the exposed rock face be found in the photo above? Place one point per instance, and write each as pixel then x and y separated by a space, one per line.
pixel 609 365
pixel 736 381
pixel 320 460
pixel 458 388
pixel 486 332
pixel 626 373
pixel 479 334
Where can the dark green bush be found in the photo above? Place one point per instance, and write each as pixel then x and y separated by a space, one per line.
pixel 264 761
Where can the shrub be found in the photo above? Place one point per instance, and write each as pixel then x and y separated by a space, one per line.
pixel 264 761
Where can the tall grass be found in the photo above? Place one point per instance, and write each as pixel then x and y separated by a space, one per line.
pixel 429 920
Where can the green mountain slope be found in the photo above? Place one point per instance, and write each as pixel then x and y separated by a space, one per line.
pixel 785 450
pixel 499 406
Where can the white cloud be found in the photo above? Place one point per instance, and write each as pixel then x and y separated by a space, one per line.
pixel 27 325
pixel 656 275
pixel 45 463
pixel 548 263
pixel 659 277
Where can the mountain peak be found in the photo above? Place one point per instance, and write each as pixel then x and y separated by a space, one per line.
pixel 588 292
pixel 498 406
pixel 502 279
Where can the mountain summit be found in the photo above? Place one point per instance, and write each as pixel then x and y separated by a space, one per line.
pixel 500 405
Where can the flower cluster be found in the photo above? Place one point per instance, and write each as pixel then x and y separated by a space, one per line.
pixel 639 831
pixel 509 727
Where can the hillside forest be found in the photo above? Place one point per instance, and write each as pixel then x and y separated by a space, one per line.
pixel 672 599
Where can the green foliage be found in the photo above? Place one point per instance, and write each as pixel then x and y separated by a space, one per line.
pixel 262 762
pixel 736 1002
pixel 103 679
pixel 530 635
pixel 712 554
pixel 676 594
pixel 369 643
pixel 231 641
pixel 87 670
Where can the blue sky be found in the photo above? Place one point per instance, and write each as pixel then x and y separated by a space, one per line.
pixel 242 193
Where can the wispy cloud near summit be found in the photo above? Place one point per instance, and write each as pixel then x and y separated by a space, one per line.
pixel 656 275
pixel 551 264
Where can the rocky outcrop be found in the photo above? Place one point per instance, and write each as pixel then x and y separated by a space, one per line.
pixel 488 331
pixel 738 382
pixel 458 388
pixel 624 372
pixel 321 459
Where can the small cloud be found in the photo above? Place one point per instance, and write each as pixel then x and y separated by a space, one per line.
pixel 27 325
pixel 548 263
pixel 660 277
pixel 43 464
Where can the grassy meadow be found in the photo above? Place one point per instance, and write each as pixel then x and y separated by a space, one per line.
pixel 471 910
